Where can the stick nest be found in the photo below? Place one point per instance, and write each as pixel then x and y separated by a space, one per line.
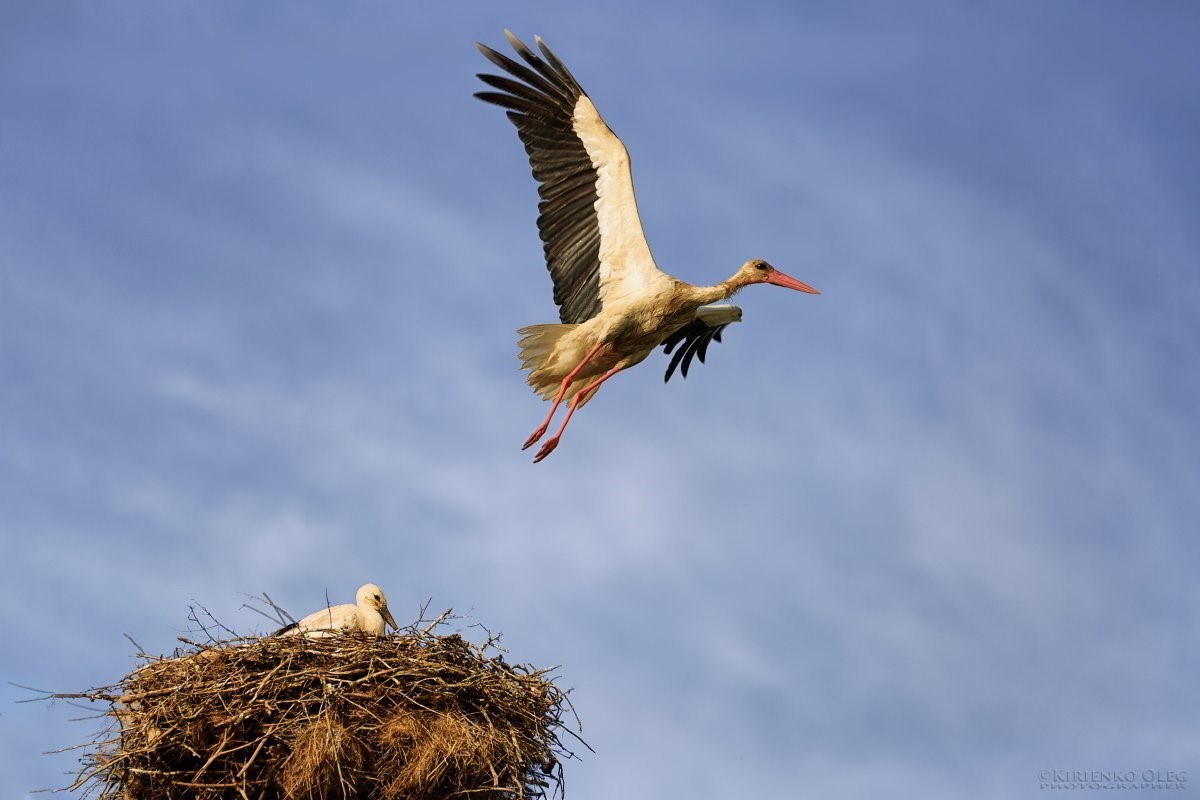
pixel 413 715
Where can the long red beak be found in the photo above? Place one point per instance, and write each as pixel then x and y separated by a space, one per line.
pixel 788 282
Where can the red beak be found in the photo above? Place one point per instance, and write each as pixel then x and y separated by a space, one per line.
pixel 788 282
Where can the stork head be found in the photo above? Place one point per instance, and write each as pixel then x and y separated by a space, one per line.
pixel 371 596
pixel 758 271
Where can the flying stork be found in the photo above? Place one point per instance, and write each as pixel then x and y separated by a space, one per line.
pixel 615 305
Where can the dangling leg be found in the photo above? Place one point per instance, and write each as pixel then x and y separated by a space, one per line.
pixel 562 390
pixel 552 442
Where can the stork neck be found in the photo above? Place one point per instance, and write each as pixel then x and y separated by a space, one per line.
pixel 703 295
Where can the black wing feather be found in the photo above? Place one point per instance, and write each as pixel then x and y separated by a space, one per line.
pixel 695 338
pixel 541 104
pixel 520 71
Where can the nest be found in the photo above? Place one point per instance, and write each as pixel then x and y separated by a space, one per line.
pixel 414 715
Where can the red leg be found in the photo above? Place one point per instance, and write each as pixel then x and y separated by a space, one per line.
pixel 562 390
pixel 552 442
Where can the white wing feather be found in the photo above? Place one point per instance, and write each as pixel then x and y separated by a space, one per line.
pixel 626 267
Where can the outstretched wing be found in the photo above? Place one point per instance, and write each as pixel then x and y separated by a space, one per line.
pixel 591 233
pixel 697 335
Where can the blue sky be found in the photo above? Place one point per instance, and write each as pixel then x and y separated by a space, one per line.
pixel 928 534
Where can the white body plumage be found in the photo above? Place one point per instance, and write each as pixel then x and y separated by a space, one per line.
pixel 369 613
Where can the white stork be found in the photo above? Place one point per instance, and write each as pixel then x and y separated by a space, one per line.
pixel 368 613
pixel 615 305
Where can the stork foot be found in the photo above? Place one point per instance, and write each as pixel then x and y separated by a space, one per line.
pixel 547 449
pixel 533 437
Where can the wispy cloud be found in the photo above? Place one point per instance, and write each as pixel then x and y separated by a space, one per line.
pixel 925 534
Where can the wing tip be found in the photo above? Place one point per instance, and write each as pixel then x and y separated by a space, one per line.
pixel 693 340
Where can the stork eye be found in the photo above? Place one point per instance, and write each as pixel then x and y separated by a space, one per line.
pixel 760 265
